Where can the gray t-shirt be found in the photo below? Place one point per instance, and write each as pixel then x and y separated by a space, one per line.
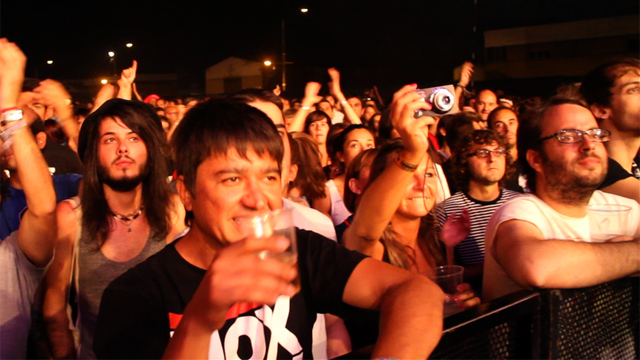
pixel 19 279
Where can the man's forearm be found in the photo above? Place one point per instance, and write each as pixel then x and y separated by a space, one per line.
pixel 410 320
pixel 568 264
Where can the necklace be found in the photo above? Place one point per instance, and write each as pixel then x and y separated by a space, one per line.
pixel 128 219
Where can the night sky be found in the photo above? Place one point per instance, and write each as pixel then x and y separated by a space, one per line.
pixel 386 43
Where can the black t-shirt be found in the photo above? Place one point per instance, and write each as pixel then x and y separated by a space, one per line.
pixel 63 159
pixel 615 173
pixel 141 308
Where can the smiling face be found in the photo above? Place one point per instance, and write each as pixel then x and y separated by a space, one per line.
pixel 122 155
pixel 228 187
pixel 485 103
pixel 570 168
pixel 420 195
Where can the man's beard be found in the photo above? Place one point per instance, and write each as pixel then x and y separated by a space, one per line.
pixel 566 185
pixel 124 184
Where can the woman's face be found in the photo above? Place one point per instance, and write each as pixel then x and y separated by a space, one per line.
pixel 420 195
pixel 356 142
pixel 376 121
pixel 319 131
pixel 368 113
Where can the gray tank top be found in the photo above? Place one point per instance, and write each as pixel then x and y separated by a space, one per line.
pixel 95 273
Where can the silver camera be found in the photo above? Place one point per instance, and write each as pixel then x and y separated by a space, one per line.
pixel 441 98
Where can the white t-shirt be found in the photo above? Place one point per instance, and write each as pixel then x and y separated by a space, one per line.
pixel 306 218
pixel 553 225
pixel 19 279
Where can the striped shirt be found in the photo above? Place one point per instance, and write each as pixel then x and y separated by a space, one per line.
pixel 471 250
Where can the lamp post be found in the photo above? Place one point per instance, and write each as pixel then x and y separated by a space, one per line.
pixel 284 52
pixel 112 60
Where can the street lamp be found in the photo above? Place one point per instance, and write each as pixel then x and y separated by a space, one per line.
pixel 129 45
pixel 284 53
pixel 112 60
pixel 267 63
pixel 49 62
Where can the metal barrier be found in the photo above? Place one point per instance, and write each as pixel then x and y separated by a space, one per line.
pixel 599 322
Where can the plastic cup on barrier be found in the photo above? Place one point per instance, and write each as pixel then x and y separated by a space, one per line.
pixel 607 221
pixel 448 277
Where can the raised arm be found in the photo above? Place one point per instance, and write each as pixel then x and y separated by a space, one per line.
pixel 383 196
pixel 57 284
pixel 53 94
pixel 466 72
pixel 106 92
pixel 135 92
pixel 36 234
pixel 311 98
pixel 127 77
pixel 336 91
pixel 532 261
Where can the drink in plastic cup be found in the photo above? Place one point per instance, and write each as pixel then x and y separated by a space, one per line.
pixel 274 223
pixel 448 277
pixel 607 221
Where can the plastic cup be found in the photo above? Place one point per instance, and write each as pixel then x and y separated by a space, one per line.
pixel 274 223
pixel 448 277
pixel 607 221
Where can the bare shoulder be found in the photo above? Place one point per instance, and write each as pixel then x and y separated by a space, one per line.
pixel 177 217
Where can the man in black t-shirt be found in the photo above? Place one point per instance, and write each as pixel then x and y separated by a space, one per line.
pixel 208 294
pixel 613 93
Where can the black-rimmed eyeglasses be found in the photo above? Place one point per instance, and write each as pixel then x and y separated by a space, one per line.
pixel 483 153
pixel 573 136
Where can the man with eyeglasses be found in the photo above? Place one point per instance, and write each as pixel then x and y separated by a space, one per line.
pixel 479 166
pixel 542 240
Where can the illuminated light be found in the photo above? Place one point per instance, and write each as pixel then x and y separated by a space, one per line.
pixel 104 81
pixel 129 45
pixel 49 62
pixel 111 54
pixel 304 10
pixel 267 63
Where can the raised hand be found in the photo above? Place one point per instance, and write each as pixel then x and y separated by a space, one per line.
pixel 127 77
pixel 311 91
pixel 456 228
pixel 52 93
pixel 414 132
pixel 238 275
pixel 12 65
pixel 466 72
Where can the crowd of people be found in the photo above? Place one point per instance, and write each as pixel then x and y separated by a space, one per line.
pixel 120 221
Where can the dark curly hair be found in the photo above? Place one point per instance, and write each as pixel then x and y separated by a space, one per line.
pixel 460 158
